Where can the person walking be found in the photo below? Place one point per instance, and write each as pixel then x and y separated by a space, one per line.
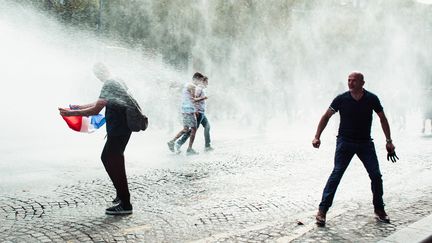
pixel 200 104
pixel 355 108
pixel 188 112
pixel 114 98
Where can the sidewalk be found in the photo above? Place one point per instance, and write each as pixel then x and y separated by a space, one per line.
pixel 420 231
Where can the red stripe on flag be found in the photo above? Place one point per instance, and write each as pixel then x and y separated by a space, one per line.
pixel 74 122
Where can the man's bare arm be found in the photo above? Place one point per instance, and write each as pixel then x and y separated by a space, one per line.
pixel 79 107
pixel 316 142
pixel 88 105
pixel 89 111
pixel 200 98
pixel 386 129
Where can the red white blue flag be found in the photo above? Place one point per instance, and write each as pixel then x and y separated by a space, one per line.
pixel 86 124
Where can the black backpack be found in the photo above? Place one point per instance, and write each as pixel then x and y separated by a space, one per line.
pixel 136 120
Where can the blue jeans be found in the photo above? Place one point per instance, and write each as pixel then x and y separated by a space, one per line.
pixel 345 150
pixel 201 119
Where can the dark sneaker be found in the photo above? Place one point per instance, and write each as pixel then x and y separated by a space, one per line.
pixel 208 148
pixel 119 210
pixel 190 151
pixel 320 218
pixel 382 216
pixel 116 200
pixel 171 146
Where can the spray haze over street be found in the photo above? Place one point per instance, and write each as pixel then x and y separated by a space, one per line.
pixel 273 67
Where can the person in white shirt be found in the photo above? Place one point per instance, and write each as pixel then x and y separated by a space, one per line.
pixel 200 105
pixel 188 109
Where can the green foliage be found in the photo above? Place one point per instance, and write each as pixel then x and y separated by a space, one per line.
pixel 183 31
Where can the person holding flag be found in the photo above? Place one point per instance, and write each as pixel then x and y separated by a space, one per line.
pixel 113 98
pixel 84 124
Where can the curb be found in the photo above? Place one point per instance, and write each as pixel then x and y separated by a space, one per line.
pixel 420 231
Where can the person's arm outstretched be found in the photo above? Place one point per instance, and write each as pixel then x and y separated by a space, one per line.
pixel 316 142
pixel 88 111
pixel 79 107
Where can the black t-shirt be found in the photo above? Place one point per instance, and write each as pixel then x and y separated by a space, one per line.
pixel 115 94
pixel 356 116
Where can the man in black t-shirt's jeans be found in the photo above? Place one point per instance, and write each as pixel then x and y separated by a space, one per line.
pixel 355 107
pixel 114 98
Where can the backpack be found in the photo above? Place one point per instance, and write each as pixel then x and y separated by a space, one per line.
pixel 136 120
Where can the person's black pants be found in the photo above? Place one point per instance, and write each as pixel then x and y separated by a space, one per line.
pixel 114 163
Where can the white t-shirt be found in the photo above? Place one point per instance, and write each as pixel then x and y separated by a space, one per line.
pixel 188 105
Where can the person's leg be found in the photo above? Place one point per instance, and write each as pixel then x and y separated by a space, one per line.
pixel 182 132
pixel 192 137
pixel 171 143
pixel 343 155
pixel 110 145
pixel 183 138
pixel 423 125
pixel 206 125
pixel 113 160
pixel 191 121
pixel 199 117
pixel 368 156
pixel 428 121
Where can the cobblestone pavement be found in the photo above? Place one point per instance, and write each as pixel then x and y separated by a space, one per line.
pixel 265 190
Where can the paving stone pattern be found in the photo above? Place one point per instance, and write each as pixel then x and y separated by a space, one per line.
pixel 265 191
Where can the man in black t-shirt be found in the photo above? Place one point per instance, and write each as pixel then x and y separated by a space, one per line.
pixel 355 107
pixel 114 98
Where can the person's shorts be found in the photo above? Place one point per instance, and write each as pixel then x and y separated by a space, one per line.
pixel 189 120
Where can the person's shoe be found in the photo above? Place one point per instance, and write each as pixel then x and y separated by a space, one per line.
pixel 116 200
pixel 382 216
pixel 119 209
pixel 320 218
pixel 171 146
pixel 208 148
pixel 191 151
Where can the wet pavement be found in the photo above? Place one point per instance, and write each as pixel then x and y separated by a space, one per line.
pixel 261 188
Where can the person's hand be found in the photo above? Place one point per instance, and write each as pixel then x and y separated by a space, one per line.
pixel 391 154
pixel 65 112
pixel 74 107
pixel 390 147
pixel 316 142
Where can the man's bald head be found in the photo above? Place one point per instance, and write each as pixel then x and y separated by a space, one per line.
pixel 356 81
pixel 357 75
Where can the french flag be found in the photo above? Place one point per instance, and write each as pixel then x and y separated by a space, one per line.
pixel 86 124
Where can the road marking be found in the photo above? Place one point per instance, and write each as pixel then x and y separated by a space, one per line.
pixel 144 227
